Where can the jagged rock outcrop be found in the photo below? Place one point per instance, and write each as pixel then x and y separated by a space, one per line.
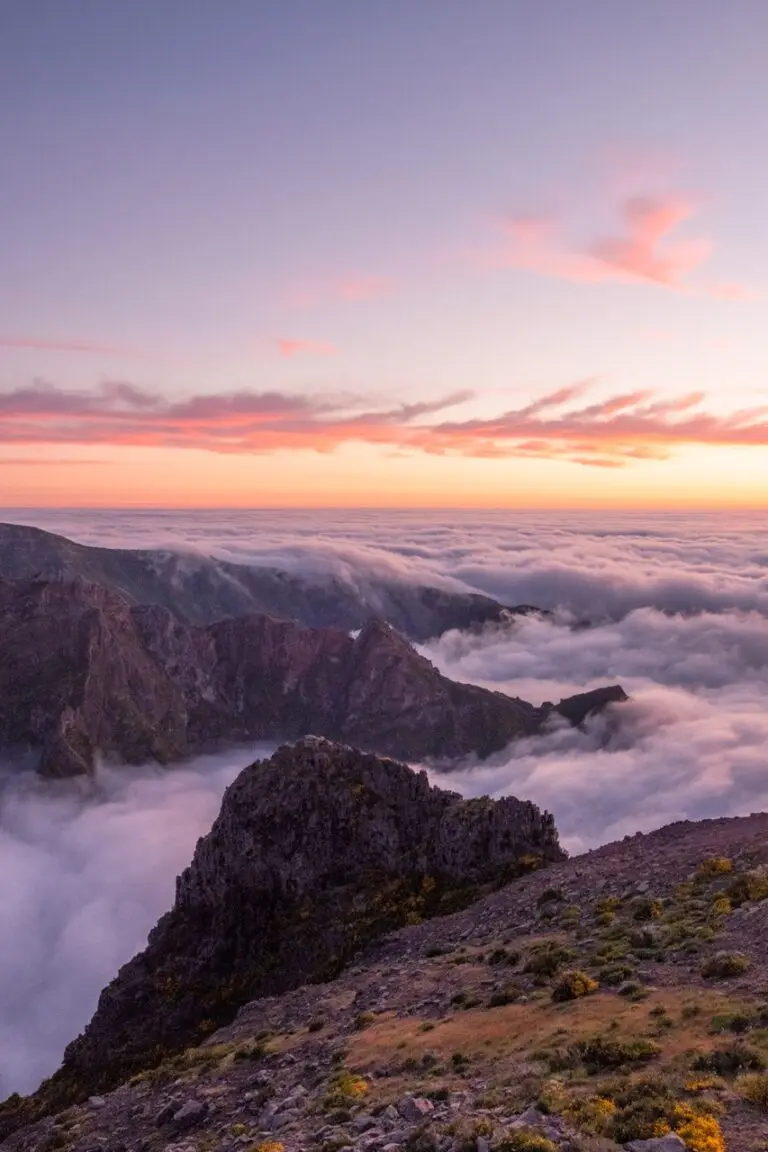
pixel 83 671
pixel 316 852
pixel 446 1033
pixel 200 589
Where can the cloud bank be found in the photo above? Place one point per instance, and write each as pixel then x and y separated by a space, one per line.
pixel 608 433
pixel 85 877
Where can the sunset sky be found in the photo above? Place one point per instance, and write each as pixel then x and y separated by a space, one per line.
pixel 383 252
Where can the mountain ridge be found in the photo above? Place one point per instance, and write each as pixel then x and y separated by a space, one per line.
pixel 200 589
pixel 84 673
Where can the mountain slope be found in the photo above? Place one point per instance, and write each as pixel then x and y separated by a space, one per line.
pixel 315 852
pixel 200 589
pixel 455 1032
pixel 82 671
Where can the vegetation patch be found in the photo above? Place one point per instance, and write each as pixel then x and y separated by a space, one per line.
pixel 724 965
pixel 601 1052
pixel 525 1140
pixel 572 985
pixel 730 1060
pixel 753 1087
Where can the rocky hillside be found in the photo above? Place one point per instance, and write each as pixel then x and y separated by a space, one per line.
pixel 316 852
pixel 614 1000
pixel 83 670
pixel 201 590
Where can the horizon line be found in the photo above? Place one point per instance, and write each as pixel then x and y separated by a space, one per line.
pixel 412 508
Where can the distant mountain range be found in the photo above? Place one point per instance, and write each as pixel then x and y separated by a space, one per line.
pixel 200 589
pixel 83 671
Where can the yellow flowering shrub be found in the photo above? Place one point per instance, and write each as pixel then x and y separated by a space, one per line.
pixel 700 1133
pixel 345 1089
pixel 715 866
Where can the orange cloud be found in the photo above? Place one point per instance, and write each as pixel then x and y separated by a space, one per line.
pixel 288 347
pixel 608 433
pixel 644 251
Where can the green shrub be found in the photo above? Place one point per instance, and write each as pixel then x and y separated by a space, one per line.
pixel 525 1140
pixel 570 917
pixel 363 1019
pixel 422 1139
pixel 573 985
pixel 504 996
pixel 503 956
pixel 748 886
pixel 725 964
pixel 645 908
pixel 549 896
pixel 633 990
pixel 730 1060
pixel 612 974
pixel 545 960
pixel 754 1088
pixel 599 1053
pixel 738 1022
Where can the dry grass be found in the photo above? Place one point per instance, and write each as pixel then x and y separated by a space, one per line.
pixel 519 1029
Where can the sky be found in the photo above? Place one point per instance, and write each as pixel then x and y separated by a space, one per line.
pixel 439 254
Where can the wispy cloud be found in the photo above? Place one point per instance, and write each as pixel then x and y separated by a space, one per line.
pixel 611 432
pixel 83 347
pixel 352 288
pixel 288 347
pixel 646 248
pixel 46 462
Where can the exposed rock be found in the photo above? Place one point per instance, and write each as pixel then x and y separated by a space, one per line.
pixel 315 851
pixel 414 1108
pixel 189 1115
pixel 669 1143
pixel 200 589
pixel 577 708
pixel 84 672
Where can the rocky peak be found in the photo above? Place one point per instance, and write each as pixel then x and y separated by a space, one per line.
pixel 576 709
pixel 315 853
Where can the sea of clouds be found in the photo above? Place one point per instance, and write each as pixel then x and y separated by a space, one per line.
pixel 675 608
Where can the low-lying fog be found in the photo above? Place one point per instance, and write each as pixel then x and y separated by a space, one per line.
pixel 680 618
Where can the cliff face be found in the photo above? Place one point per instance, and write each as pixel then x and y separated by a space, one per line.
pixel 315 852
pixel 84 671
pixel 200 590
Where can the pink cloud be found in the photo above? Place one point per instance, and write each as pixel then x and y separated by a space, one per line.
pixel 362 287
pixel 610 432
pixel 288 347
pixel 351 289
pixel 644 250
pixel 85 347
